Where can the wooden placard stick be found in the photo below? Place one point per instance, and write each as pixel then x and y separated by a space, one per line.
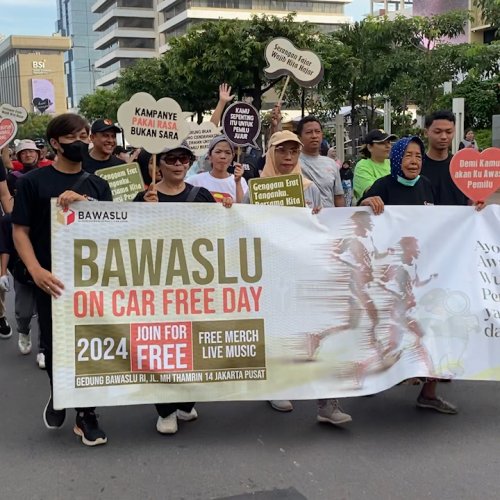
pixel 280 100
pixel 153 177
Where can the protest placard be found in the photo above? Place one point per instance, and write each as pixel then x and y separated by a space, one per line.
pixel 10 116
pixel 125 180
pixel 283 58
pixel 200 136
pixel 285 190
pixel 476 174
pixel 241 124
pixel 151 124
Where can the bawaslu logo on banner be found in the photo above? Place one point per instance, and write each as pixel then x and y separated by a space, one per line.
pixel 10 116
pixel 167 302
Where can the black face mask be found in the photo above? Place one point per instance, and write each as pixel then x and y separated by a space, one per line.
pixel 74 151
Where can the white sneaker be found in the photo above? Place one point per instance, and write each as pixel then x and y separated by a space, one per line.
pixel 281 404
pixel 24 343
pixel 187 416
pixel 167 425
pixel 331 412
pixel 40 360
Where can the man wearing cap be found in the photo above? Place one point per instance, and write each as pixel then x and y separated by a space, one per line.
pixel 103 137
pixel 321 170
pixel 375 163
pixel 42 146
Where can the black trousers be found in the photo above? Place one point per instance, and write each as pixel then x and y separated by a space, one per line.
pixel 44 309
pixel 165 409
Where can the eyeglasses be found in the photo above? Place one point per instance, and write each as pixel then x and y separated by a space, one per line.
pixel 284 151
pixel 173 159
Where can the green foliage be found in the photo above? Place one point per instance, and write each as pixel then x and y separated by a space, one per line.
pixel 491 11
pixel 103 103
pixel 484 138
pixel 482 100
pixel 34 127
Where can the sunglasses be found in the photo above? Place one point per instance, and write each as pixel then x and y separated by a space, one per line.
pixel 173 159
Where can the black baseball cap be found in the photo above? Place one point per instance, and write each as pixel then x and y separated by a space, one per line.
pixel 103 125
pixel 40 142
pixel 379 136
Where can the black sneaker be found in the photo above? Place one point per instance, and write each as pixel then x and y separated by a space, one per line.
pixel 5 329
pixel 53 419
pixel 87 427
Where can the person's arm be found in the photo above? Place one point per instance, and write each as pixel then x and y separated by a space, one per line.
pixel 43 278
pixel 363 179
pixel 6 199
pixel 238 176
pixel 276 119
pixel 225 97
pixel 338 190
pixel 7 162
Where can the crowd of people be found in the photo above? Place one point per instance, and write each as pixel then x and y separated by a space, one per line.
pixel 404 173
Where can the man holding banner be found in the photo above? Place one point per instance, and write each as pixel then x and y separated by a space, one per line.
pixel 66 180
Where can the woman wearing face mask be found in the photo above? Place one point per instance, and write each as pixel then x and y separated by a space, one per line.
pixel 375 163
pixel 219 181
pixel 405 186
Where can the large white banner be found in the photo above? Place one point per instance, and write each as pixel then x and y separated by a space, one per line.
pixel 189 302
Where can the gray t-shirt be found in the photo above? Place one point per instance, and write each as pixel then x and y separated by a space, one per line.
pixel 324 172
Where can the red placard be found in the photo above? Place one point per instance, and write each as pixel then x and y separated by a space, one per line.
pixel 476 174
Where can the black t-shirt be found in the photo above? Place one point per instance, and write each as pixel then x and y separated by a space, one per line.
pixel 32 203
pixel 445 190
pixel 250 167
pixel 394 193
pixel 91 165
pixel 203 196
pixel 14 176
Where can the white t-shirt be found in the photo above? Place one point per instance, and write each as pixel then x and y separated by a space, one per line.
pixel 220 188
pixel 324 172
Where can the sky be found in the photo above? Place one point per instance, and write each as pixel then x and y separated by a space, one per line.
pixel 38 17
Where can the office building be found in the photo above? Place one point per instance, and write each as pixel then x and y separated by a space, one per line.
pixel 32 73
pixel 75 19
pixel 136 29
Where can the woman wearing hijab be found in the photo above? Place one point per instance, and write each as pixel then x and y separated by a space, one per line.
pixel 219 181
pixel 282 158
pixel 405 186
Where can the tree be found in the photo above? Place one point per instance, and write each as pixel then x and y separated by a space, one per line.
pixel 232 51
pixel 103 103
pixel 490 10
pixel 34 127
pixel 482 100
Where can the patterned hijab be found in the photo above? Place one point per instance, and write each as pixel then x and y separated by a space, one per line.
pixel 397 152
